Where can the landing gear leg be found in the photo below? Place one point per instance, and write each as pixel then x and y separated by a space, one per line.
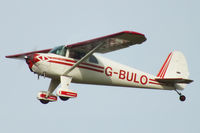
pixel 53 84
pixel 47 96
pixel 64 92
pixel 181 97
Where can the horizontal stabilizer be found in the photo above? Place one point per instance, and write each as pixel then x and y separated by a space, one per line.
pixel 174 80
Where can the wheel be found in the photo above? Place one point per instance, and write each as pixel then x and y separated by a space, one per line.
pixel 44 101
pixel 64 98
pixel 182 98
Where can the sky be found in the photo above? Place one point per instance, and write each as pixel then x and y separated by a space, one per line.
pixel 27 25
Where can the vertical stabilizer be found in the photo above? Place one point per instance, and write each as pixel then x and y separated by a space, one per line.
pixel 175 72
pixel 175 66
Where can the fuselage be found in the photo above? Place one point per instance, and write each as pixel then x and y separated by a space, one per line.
pixel 99 70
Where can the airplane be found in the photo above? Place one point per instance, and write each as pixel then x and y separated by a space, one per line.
pixel 77 63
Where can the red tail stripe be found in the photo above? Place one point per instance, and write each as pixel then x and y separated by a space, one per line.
pixel 166 67
pixel 161 70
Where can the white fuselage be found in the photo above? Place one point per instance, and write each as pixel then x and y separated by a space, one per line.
pixel 105 72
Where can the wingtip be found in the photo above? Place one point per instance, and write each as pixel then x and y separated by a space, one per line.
pixel 8 56
pixel 132 32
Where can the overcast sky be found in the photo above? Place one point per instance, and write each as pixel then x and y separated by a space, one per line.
pixel 39 24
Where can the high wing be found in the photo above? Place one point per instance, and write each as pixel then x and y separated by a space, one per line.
pixel 18 56
pixel 111 42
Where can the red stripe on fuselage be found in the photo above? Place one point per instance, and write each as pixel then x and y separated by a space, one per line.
pixel 153 83
pixel 62 59
pixel 68 64
pixel 73 61
pixel 101 71
pixel 93 65
pixel 152 79
pixel 58 62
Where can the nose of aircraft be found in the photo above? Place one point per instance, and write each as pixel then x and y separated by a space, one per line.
pixel 30 60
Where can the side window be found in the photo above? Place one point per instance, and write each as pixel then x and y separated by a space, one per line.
pixel 93 59
pixel 76 55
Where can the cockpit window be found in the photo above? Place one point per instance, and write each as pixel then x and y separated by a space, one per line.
pixel 93 59
pixel 60 50
pixel 76 54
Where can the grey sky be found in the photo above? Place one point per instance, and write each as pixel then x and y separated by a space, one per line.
pixel 30 25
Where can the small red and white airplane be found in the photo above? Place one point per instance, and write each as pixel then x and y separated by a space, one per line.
pixel 77 63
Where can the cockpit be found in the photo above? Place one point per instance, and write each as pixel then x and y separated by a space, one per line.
pixel 64 51
pixel 60 50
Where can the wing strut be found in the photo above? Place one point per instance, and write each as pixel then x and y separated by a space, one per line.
pixel 83 59
pixel 53 85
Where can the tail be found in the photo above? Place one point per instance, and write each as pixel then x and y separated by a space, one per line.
pixel 174 70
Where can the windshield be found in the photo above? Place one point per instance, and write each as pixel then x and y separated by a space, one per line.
pixel 60 50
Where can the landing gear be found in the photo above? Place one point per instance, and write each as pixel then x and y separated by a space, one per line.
pixel 45 98
pixel 44 101
pixel 182 97
pixel 65 94
pixel 64 98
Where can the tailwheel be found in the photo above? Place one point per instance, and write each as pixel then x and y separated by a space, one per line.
pixel 182 98
pixel 44 101
pixel 64 98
